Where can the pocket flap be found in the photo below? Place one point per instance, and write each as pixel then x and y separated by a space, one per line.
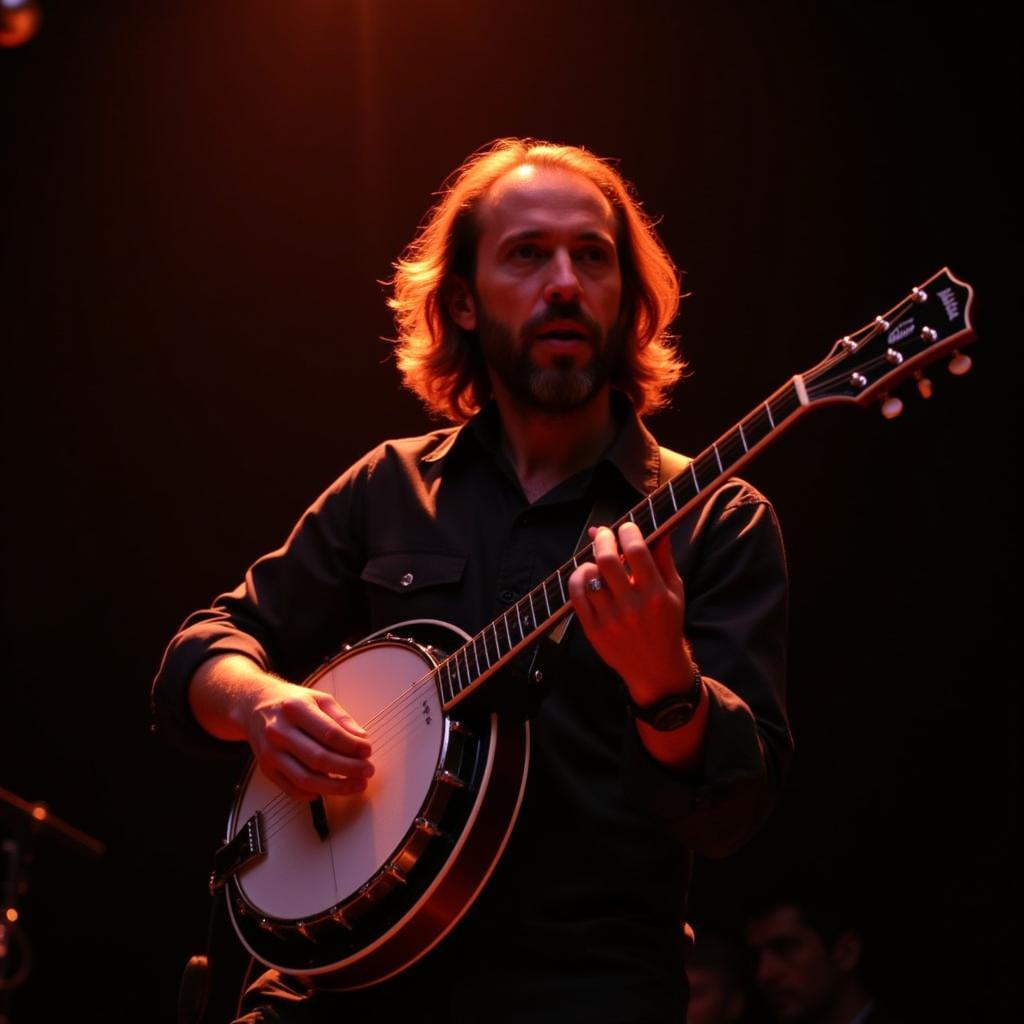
pixel 406 571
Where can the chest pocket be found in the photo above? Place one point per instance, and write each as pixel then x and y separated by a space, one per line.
pixel 414 585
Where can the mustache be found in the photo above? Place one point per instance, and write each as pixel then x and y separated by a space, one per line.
pixel 561 311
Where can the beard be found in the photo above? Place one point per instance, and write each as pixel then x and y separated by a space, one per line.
pixel 561 386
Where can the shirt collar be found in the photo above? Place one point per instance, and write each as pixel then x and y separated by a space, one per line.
pixel 633 452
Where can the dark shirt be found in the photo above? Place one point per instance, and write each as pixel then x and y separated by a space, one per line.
pixel 587 898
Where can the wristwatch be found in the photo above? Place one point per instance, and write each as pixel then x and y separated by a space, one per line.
pixel 673 711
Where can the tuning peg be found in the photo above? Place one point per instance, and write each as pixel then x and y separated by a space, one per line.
pixel 892 407
pixel 924 385
pixel 959 364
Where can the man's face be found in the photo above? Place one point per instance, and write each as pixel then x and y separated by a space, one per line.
pixel 713 997
pixel 546 299
pixel 794 970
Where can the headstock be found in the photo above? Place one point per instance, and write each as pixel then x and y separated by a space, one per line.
pixel 934 319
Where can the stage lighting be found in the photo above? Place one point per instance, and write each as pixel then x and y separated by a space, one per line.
pixel 19 21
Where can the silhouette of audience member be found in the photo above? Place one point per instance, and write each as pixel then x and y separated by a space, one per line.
pixel 808 952
pixel 716 985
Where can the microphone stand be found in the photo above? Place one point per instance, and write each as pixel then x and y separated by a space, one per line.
pixel 33 820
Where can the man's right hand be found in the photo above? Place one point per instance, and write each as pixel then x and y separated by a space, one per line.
pixel 303 740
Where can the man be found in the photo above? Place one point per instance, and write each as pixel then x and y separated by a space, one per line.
pixel 532 309
pixel 715 982
pixel 809 957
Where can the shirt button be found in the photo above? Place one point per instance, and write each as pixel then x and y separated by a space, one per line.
pixel 508 596
pixel 406 579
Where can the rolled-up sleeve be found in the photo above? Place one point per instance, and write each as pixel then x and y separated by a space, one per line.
pixel 734 572
pixel 294 607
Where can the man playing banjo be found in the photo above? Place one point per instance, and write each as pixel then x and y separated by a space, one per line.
pixel 533 309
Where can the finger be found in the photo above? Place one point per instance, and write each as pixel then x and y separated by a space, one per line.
pixel 641 562
pixel 329 704
pixel 305 784
pixel 326 730
pixel 609 563
pixel 316 758
pixel 580 596
pixel 285 784
pixel 666 564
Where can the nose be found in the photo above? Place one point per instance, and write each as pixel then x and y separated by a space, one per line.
pixel 562 284
pixel 765 968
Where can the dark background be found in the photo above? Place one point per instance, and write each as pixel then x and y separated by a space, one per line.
pixel 199 200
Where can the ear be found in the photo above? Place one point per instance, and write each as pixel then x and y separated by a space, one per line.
pixel 847 951
pixel 461 303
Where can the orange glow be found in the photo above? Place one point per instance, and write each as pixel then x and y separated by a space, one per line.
pixel 19 25
pixel 39 813
pixel 11 914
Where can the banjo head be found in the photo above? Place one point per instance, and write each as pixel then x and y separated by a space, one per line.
pixel 389 689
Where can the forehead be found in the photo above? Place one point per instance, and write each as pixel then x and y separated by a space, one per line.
pixel 544 200
pixel 784 921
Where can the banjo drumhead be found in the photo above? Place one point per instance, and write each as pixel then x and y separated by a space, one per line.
pixel 387 688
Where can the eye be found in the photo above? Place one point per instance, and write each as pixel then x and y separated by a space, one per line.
pixel 593 254
pixel 525 251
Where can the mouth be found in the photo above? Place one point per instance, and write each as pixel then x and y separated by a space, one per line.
pixel 563 331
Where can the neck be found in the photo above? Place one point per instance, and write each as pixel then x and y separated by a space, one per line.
pixel 547 448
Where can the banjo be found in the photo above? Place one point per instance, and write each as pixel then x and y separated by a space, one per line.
pixel 350 890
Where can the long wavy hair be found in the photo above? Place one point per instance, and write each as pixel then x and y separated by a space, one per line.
pixel 441 362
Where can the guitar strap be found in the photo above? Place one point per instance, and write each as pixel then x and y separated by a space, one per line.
pixel 547 654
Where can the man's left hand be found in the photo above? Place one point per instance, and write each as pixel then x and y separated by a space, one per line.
pixel 635 620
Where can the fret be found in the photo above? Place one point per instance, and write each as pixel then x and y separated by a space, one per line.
pixel 693 473
pixel 547 603
pixel 482 638
pixel 533 611
pixel 451 686
pixel 469 673
pixel 476 657
pixel 768 409
pixel 519 619
pixel 631 519
pixel 458 674
pixel 743 438
pixel 650 505
pixel 561 589
pixel 497 642
pixel 672 495
pixel 508 632
pixel 718 459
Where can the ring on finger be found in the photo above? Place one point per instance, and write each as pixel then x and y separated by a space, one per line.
pixel 595 584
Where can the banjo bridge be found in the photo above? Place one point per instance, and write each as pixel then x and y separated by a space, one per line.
pixel 318 812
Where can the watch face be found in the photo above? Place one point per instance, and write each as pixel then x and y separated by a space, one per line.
pixel 673 717
pixel 672 711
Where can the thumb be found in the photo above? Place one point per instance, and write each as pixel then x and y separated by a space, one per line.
pixel 328 704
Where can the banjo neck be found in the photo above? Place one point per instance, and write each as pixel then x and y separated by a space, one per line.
pixel 862 368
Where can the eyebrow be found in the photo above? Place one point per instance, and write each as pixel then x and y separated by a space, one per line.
pixel 535 233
